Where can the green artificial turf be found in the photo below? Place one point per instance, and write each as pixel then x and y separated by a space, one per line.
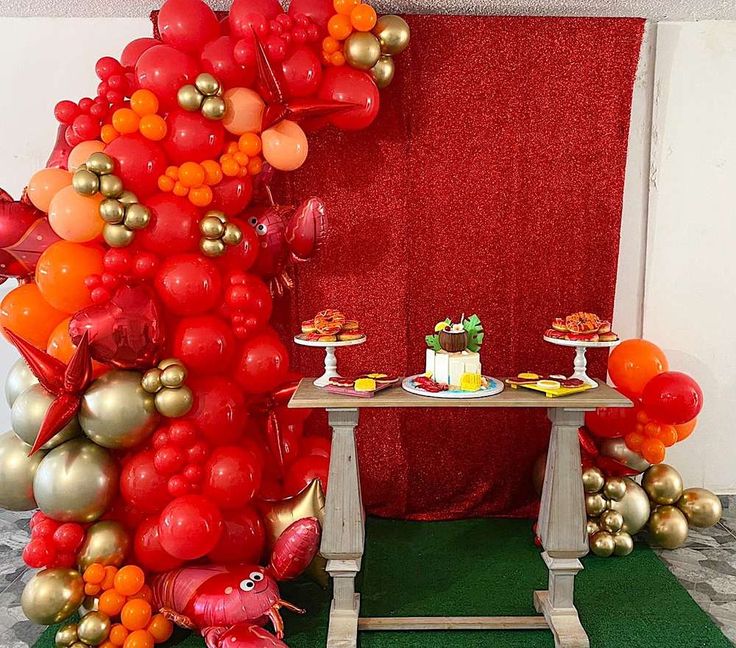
pixel 490 567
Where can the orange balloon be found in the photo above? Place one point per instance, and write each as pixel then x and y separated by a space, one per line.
pixel 684 430
pixel 161 628
pixel 109 580
pixel 44 184
pixel 145 593
pixel 139 639
pixel 244 111
pixel 200 196
pixel 61 271
pixel 144 102
pixel 125 121
pixel 339 27
pixel 653 450
pixel 633 363
pixel 285 145
pixel 81 152
pixel 60 347
pixel 111 602
pixel 634 440
pixel 95 573
pixel 363 17
pixel 136 614
pixel 191 174
pixel 152 127
pixel 668 435
pixel 25 312
pixel 75 217
pixel 129 580
pixel 212 171
pixel 108 133
pixel 345 6
pixel 118 634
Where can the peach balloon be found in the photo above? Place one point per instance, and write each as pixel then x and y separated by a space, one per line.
pixel 44 184
pixel 61 271
pixel 25 312
pixel 243 111
pixel 75 217
pixel 285 145
pixel 61 347
pixel 79 154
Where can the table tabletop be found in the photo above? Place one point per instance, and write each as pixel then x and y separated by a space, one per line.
pixel 309 396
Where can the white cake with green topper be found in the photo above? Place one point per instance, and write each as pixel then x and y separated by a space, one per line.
pixel 453 357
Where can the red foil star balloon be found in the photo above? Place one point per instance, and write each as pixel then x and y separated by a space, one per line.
pixel 66 382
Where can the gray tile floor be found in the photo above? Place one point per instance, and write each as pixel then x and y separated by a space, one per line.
pixel 706 567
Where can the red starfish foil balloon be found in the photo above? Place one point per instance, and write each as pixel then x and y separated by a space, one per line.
pixel 278 107
pixel 67 383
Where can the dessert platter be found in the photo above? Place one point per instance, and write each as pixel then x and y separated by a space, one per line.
pixel 363 386
pixel 452 363
pixel 582 331
pixel 552 386
pixel 329 329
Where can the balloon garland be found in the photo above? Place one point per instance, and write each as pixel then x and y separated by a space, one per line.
pixel 149 414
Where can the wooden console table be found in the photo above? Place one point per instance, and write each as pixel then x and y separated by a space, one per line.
pixel 561 518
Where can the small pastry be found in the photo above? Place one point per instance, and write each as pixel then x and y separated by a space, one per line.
pixel 470 382
pixel 528 375
pixel 352 335
pixel 329 321
pixel 365 385
pixel 582 337
pixel 571 383
pixel 350 325
pixel 582 322
pixel 340 381
pixel 558 324
pixel 548 384
pixel 554 334
pixel 308 326
pixel 610 336
pixel 327 338
pixel 605 327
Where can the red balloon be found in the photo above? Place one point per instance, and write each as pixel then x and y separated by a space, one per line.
pixel 243 538
pixel 248 303
pixel 348 85
pixel 204 344
pixel 39 552
pixel 232 195
pixel 610 422
pixel 163 70
pixel 303 471
pixel 291 441
pixel 69 537
pixel 245 635
pixel 318 11
pixel 187 24
pixel 147 548
pixel 189 527
pixel 317 446
pixel 262 364
pixel 135 49
pixel 243 256
pixel 188 284
pixel 192 137
pixel 141 485
pixel 232 477
pixel 672 397
pixel 242 14
pixel 217 59
pixel 296 548
pixel 219 409
pixel 139 163
pixel 174 226
pixel 302 72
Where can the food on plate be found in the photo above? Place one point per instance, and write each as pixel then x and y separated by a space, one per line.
pixel 581 327
pixel 453 354
pixel 330 325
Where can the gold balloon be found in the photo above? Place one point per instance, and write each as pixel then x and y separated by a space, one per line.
pixel 701 507
pixel 592 526
pixel 167 362
pixel 602 544
pixel 211 227
pixel 611 521
pixel 94 628
pixel 89 604
pixel 189 98
pixel 17 471
pixel 151 380
pixel 20 378
pixel 634 506
pixel 212 248
pixel 595 504
pixel 214 108
pixel 111 186
pixel 618 450
pixel 28 413
pixel 615 488
pixel 79 644
pixel 137 216
pixel 100 163
pixel 66 635
pixel 106 542
pixel 85 182
pixel 128 198
pixel 393 33
pixel 663 484
pixel 362 50
pixel 173 376
pixel 624 544
pixel 52 595
pixel 207 84
pixel 76 481
pixel 278 515
pixel 232 235
pixel 593 480
pixel 112 211
pixel 383 71
pixel 117 236
pixel 668 527
pixel 116 411
pixel 175 402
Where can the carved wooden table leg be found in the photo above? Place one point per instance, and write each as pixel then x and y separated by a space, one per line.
pixel 344 529
pixel 562 529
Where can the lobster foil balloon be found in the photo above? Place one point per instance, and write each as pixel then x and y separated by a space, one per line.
pixel 286 235
pixel 230 604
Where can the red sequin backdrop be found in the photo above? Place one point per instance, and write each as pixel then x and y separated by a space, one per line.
pixel 491 183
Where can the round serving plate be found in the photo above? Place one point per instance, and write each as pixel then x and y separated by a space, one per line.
pixel 495 386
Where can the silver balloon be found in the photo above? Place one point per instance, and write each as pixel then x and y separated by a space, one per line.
pixel 17 470
pixel 634 506
pixel 28 413
pixel 618 450
pixel 117 412
pixel 76 481
pixel 19 379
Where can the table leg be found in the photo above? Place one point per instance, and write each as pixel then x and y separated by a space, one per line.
pixel 343 536
pixel 562 529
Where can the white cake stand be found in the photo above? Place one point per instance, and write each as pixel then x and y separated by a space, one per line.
pixel 330 356
pixel 581 364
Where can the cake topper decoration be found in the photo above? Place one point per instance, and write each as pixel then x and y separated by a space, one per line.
pixel 467 334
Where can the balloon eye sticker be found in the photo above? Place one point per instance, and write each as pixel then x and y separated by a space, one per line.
pixel 256 576
pixel 247 585
pixel 261 229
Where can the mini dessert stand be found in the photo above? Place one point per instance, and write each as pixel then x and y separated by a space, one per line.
pixel 581 364
pixel 330 356
pixel 495 386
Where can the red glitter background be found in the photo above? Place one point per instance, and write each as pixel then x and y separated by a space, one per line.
pixel 491 183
